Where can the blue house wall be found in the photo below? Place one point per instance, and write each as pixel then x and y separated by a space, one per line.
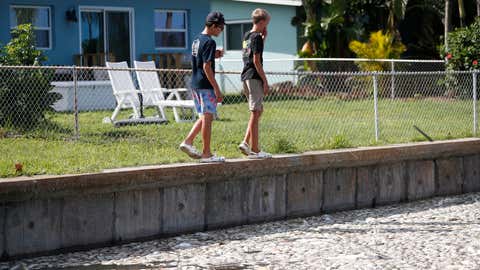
pixel 65 34
pixel 282 36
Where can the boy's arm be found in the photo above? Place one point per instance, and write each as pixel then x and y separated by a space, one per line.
pixel 259 67
pixel 207 67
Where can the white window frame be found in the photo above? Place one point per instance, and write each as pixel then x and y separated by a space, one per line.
pixel 227 23
pixel 35 27
pixel 185 31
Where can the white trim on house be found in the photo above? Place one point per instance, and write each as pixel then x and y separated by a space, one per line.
pixel 185 12
pixel 238 21
pixel 296 3
pixel 49 28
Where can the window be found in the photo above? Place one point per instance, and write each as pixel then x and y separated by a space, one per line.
pixel 170 29
pixel 234 34
pixel 39 17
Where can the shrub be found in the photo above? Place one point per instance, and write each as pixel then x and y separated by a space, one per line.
pixel 339 141
pixel 284 145
pixel 379 46
pixel 464 48
pixel 25 94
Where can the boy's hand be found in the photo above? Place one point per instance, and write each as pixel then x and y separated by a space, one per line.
pixel 219 96
pixel 264 33
pixel 219 53
pixel 265 88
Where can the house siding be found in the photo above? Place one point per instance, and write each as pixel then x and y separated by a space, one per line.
pixel 282 36
pixel 65 35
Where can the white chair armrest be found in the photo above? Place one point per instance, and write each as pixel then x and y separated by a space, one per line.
pixel 126 92
pixel 180 89
pixel 154 90
pixel 177 92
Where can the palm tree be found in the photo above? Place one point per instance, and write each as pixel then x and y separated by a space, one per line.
pixel 396 13
pixel 478 8
pixel 461 12
pixel 447 22
pixel 310 46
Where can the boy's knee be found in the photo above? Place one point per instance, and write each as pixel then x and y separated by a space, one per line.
pixel 208 116
pixel 257 113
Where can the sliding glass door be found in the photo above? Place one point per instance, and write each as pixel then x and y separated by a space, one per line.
pixel 106 33
pixel 118 35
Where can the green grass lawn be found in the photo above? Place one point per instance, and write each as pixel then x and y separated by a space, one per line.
pixel 292 126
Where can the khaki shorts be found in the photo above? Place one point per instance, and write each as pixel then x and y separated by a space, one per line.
pixel 254 91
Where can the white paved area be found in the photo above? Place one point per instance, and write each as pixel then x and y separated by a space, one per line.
pixel 441 233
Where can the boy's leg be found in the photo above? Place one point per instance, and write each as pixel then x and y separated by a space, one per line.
pixel 206 134
pixel 207 108
pixel 248 132
pixel 194 131
pixel 253 127
pixel 254 91
pixel 198 124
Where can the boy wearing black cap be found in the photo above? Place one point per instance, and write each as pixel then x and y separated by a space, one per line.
pixel 205 90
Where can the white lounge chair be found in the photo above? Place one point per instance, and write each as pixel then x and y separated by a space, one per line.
pixel 123 89
pixel 153 93
pixel 126 93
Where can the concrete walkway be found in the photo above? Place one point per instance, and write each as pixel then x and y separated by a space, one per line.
pixel 440 233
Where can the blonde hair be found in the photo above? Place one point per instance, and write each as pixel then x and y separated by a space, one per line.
pixel 260 14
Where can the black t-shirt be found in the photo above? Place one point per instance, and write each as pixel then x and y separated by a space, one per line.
pixel 203 50
pixel 252 44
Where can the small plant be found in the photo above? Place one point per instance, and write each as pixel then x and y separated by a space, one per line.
pixel 25 94
pixel 283 145
pixel 379 46
pixel 339 141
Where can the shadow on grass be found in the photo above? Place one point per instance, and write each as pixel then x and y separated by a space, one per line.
pixel 48 129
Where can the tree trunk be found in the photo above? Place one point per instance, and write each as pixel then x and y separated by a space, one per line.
pixel 461 12
pixel 447 22
pixel 478 8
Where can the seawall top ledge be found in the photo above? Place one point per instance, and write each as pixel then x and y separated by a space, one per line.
pixel 160 176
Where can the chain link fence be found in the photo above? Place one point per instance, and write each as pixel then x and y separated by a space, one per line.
pixel 125 117
pixel 336 64
pixel 300 65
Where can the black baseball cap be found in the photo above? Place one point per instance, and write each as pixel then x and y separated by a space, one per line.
pixel 215 17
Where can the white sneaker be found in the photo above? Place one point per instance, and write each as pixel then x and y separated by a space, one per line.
pixel 212 159
pixel 260 155
pixel 190 150
pixel 245 149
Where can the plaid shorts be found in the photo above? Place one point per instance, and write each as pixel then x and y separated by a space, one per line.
pixel 205 101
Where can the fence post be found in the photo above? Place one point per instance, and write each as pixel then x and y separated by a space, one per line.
pixel 392 86
pixel 375 104
pixel 75 102
pixel 475 98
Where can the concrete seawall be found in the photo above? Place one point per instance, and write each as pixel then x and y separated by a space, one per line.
pixel 45 214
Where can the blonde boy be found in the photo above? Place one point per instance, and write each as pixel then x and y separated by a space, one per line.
pixel 254 81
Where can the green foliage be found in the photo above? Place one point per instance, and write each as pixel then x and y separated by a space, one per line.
pixel 21 51
pixel 339 141
pixel 24 93
pixel 283 145
pixel 379 46
pixel 327 28
pixel 464 48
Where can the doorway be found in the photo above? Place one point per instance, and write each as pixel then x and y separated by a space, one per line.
pixel 107 33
